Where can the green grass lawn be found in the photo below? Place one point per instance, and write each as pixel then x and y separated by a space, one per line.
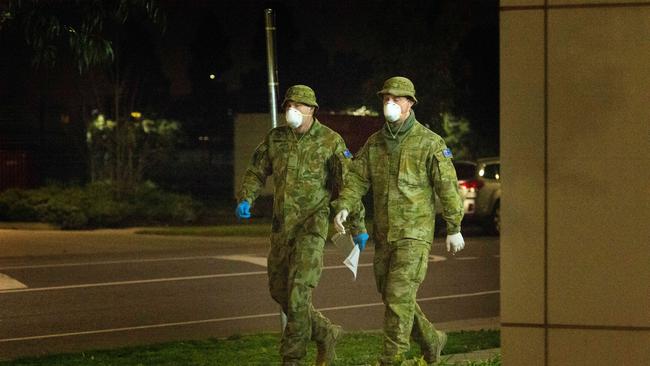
pixel 257 227
pixel 261 229
pixel 358 348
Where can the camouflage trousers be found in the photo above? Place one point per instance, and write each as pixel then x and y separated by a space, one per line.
pixel 294 269
pixel 400 268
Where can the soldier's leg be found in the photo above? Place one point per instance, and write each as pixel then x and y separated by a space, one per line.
pixel 326 335
pixel 323 332
pixel 278 262
pixel 431 341
pixel 278 271
pixel 381 262
pixel 304 273
pixel 426 335
pixel 320 325
pixel 406 270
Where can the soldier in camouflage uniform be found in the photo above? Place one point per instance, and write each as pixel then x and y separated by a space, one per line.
pixel 405 164
pixel 307 162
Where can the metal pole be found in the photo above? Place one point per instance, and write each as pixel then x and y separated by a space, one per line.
pixel 269 21
pixel 272 70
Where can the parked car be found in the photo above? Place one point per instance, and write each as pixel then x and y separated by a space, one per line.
pixel 483 192
pixel 480 188
pixel 465 172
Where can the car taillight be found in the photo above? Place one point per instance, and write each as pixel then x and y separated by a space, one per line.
pixel 471 185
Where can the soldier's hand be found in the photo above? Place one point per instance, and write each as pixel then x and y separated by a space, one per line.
pixel 361 240
pixel 339 219
pixel 243 210
pixel 455 242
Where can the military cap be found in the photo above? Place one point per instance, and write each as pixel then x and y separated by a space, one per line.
pixel 398 86
pixel 301 94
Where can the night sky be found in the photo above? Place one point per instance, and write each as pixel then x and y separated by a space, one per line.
pixel 343 49
pixel 336 25
pixel 371 35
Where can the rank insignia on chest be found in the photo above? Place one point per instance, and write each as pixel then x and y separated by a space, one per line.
pixel 447 153
pixel 347 154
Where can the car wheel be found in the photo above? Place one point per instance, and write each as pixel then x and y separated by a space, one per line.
pixel 492 223
pixel 496 219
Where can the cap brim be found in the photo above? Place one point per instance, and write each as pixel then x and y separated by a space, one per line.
pixel 397 93
pixel 315 105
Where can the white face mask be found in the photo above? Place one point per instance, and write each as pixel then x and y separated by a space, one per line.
pixel 293 117
pixel 392 111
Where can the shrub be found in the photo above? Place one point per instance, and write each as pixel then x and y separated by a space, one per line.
pixel 15 206
pixel 160 206
pixel 98 205
pixel 109 213
pixel 102 207
pixel 65 215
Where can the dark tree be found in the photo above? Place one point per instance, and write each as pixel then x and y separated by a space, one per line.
pixel 111 46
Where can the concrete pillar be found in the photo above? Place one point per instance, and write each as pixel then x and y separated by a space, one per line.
pixel 575 161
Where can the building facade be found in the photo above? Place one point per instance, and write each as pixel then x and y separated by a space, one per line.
pixel 575 157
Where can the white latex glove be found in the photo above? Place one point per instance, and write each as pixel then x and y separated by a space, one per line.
pixel 339 219
pixel 455 242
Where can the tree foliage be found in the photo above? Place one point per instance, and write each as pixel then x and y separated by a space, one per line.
pixel 458 136
pixel 147 141
pixel 110 44
pixel 84 28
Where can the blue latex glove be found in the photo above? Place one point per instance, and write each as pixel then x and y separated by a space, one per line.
pixel 361 240
pixel 243 210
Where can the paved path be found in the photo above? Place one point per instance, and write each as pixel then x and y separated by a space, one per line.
pixel 75 291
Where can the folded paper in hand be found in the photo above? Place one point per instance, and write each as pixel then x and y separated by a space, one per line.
pixel 349 250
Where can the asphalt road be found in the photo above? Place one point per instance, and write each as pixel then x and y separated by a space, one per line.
pixel 74 291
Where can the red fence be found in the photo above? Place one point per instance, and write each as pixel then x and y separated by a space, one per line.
pixel 355 130
pixel 16 169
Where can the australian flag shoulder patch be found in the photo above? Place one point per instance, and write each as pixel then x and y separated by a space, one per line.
pixel 447 153
pixel 347 154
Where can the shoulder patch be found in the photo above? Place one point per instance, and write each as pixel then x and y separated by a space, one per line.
pixel 447 153
pixel 347 154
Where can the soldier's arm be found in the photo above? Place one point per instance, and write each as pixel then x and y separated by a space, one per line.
pixel 341 163
pixel 355 184
pixel 256 173
pixel 357 222
pixel 445 183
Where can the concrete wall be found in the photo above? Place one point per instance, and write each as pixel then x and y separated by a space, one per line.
pixel 250 130
pixel 575 157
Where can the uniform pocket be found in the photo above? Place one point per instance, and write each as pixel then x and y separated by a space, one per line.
pixel 308 260
pixel 421 270
pixel 317 223
pixel 380 266
pixel 378 163
pixel 411 168
pixel 445 165
pixel 279 161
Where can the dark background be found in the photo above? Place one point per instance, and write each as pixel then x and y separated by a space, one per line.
pixel 343 49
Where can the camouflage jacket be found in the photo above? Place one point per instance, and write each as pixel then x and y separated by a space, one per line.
pixel 307 171
pixel 403 181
